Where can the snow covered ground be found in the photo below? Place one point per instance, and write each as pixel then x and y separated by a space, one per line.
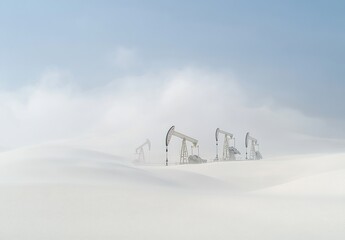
pixel 63 192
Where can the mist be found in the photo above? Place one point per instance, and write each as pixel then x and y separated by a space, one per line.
pixel 120 115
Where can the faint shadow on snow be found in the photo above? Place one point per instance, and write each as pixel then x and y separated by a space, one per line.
pixel 61 164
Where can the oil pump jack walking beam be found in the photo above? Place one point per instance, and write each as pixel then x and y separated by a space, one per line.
pixel 252 143
pixel 184 151
pixel 140 150
pixel 228 153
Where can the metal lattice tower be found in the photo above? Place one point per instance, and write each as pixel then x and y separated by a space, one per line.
pixel 226 153
pixel 184 153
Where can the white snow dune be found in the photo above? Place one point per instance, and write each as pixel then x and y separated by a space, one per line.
pixel 61 192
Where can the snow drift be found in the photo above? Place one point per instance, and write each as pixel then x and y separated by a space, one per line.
pixel 63 192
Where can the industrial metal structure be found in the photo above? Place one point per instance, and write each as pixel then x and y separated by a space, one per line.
pixel 184 152
pixel 140 151
pixel 253 145
pixel 228 152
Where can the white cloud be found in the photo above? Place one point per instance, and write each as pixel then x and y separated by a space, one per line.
pixel 195 101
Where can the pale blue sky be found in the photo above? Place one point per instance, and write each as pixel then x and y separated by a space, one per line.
pixel 290 51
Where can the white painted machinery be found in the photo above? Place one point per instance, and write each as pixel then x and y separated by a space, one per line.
pixel 228 152
pixel 140 151
pixel 184 152
pixel 253 145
